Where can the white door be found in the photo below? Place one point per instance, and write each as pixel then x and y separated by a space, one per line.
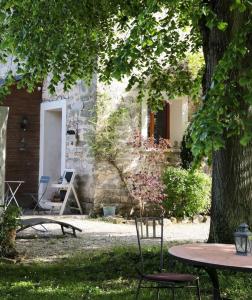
pixel 52 139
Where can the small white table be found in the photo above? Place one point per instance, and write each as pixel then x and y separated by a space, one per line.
pixel 12 188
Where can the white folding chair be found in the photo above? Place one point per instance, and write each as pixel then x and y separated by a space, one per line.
pixel 68 186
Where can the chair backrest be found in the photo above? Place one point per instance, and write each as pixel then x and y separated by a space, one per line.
pixel 43 185
pixel 150 228
pixel 44 179
pixel 68 176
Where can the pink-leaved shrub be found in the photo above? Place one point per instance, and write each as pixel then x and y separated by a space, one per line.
pixel 144 183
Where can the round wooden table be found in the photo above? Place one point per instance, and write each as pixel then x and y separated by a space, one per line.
pixel 212 257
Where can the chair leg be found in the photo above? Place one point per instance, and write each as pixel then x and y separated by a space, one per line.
pixel 62 229
pixel 138 288
pixel 173 293
pixel 35 209
pixel 43 227
pixel 198 290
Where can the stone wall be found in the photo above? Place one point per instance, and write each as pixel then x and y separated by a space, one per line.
pixel 109 188
pixel 80 101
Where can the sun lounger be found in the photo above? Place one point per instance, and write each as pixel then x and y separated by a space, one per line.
pixel 31 222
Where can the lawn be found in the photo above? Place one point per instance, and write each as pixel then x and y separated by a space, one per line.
pixel 104 275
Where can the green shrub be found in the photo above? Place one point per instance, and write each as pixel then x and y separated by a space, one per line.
pixel 188 192
pixel 8 224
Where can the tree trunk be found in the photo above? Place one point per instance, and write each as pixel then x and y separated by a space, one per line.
pixel 231 190
pixel 232 166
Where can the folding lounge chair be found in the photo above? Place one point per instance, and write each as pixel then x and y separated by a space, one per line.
pixel 31 222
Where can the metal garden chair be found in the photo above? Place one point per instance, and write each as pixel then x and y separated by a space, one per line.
pixel 38 197
pixel 153 228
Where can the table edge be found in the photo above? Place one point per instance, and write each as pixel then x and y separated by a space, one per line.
pixel 14 181
pixel 206 265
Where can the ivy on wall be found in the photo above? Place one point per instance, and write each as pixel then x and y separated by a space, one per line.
pixel 109 125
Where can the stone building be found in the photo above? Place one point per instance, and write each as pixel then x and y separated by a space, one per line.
pixel 49 133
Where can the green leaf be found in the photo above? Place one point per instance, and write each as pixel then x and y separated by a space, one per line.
pixel 222 26
pixel 237 4
pixel 149 42
pixel 243 81
pixel 245 139
pixel 248 98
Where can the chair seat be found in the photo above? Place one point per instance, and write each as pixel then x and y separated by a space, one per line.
pixel 170 277
pixel 46 204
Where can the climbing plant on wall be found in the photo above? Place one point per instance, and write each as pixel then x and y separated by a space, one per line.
pixel 142 174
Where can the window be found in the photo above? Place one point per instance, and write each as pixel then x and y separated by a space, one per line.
pixel 159 123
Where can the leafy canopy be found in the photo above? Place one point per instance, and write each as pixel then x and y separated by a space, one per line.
pixel 150 41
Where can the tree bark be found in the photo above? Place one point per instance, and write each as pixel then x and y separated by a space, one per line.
pixel 232 166
pixel 231 190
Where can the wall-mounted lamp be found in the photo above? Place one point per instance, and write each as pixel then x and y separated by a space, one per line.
pixel 24 123
pixel 22 145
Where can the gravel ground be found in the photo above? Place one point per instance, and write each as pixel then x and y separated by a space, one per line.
pixel 95 234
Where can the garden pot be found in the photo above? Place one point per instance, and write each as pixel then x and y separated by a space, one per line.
pixel 109 211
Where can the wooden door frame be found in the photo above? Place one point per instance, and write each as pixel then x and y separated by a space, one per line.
pixel 167 122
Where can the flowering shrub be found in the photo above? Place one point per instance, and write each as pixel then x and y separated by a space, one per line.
pixel 145 184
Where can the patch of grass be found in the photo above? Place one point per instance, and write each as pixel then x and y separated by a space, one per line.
pixel 104 275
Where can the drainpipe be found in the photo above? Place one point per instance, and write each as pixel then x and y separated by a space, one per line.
pixel 3 126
